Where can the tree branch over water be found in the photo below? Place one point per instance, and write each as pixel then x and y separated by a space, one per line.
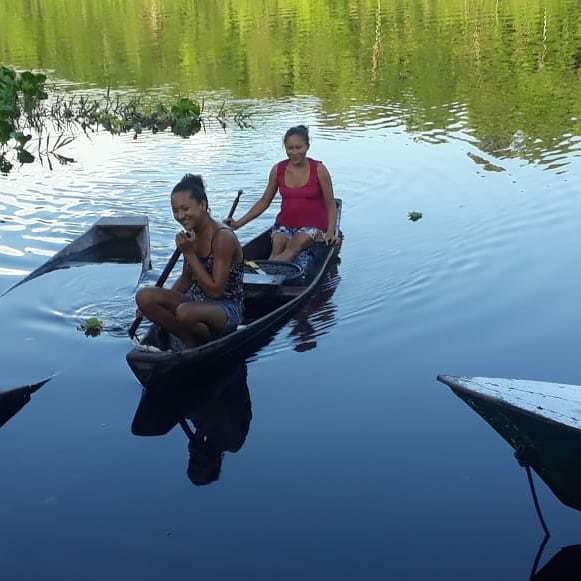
pixel 35 124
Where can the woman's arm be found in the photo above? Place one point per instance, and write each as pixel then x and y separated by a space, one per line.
pixel 224 246
pixel 261 205
pixel 327 189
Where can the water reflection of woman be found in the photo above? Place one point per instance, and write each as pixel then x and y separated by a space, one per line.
pixel 215 417
pixel 220 426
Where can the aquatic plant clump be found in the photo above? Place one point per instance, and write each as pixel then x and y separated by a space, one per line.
pixel 31 117
pixel 92 327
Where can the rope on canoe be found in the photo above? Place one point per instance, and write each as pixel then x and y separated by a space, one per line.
pixel 522 455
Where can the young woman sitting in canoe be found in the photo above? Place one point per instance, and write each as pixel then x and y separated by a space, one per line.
pixel 308 210
pixel 206 300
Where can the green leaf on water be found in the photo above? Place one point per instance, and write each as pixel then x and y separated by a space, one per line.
pixel 92 327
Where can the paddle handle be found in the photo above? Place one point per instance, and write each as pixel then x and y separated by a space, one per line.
pixel 186 428
pixel 160 282
pixel 234 205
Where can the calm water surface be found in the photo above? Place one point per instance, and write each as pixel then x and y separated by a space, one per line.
pixel 350 461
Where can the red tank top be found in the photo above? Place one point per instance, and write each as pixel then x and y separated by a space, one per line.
pixel 303 206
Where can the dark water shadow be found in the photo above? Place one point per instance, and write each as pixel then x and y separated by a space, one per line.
pixel 214 413
pixel 565 565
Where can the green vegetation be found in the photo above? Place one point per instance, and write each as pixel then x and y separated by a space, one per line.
pixel 27 111
pixel 92 327
pixel 507 75
pixel 20 96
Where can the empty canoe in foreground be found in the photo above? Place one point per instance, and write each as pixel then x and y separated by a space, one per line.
pixel 540 420
pixel 122 239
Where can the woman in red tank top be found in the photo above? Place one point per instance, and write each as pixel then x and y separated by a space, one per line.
pixel 308 211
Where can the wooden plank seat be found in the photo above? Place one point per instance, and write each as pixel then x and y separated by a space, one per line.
pixel 269 276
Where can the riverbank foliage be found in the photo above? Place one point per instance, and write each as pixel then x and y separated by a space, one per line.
pixel 37 123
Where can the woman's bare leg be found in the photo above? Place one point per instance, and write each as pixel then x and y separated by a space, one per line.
pixel 279 242
pixel 291 249
pixel 200 321
pixel 160 305
pixel 194 322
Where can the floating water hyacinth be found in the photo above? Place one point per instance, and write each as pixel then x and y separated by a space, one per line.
pixel 92 327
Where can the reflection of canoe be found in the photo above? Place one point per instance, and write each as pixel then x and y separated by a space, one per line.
pixel 213 411
pixel 192 397
pixel 564 566
pixel 540 420
pixel 123 239
pixel 270 301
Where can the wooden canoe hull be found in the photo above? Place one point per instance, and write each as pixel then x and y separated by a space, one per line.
pixel 123 239
pixel 539 420
pixel 13 400
pixel 264 314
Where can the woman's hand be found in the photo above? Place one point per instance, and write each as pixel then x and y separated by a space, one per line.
pixel 231 223
pixel 185 241
pixel 330 237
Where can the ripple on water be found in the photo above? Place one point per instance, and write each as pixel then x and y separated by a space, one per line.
pixel 42 316
pixel 480 228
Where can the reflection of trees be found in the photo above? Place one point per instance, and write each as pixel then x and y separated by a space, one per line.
pixel 213 411
pixel 377 48
pixel 515 67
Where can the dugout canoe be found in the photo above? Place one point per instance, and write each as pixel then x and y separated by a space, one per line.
pixel 540 420
pixel 120 239
pixel 13 400
pixel 272 296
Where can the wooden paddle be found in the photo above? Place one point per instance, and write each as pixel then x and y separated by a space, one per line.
pixel 234 205
pixel 160 282
pixel 170 265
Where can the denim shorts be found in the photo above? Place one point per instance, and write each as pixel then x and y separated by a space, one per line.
pixel 314 233
pixel 234 312
pixel 234 309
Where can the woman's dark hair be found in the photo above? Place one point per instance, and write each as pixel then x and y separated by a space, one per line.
pixel 301 130
pixel 193 184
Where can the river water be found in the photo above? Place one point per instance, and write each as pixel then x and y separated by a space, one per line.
pixel 346 459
